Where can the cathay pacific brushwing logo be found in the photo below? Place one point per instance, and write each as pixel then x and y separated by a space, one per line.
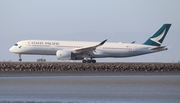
pixel 156 39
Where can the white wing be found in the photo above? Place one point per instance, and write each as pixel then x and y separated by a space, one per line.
pixel 88 48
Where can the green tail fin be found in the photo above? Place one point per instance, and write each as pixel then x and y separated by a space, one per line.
pixel 158 37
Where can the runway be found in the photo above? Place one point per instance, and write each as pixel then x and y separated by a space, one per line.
pixel 164 88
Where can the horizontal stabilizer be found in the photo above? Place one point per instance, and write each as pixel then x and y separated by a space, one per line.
pixel 158 48
pixel 133 42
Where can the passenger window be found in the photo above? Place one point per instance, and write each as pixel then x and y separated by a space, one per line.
pixel 16 44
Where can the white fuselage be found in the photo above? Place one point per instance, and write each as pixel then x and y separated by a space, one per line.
pixel 109 49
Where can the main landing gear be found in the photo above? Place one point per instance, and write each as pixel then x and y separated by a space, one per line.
pixel 88 61
pixel 20 57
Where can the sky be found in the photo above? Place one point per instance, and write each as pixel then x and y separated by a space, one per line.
pixel 89 20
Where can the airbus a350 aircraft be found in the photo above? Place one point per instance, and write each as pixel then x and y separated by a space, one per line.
pixel 87 51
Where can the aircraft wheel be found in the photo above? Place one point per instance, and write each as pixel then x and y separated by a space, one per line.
pixel 84 61
pixel 89 61
pixel 93 61
pixel 20 60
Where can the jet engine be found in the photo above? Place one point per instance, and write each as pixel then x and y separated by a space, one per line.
pixel 64 55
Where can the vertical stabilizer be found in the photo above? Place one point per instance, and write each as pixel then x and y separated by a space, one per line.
pixel 158 37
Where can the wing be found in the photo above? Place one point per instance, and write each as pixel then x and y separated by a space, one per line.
pixel 88 48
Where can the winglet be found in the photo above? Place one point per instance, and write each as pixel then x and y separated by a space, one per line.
pixel 103 42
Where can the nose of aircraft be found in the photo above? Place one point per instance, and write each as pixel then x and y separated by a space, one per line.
pixel 11 49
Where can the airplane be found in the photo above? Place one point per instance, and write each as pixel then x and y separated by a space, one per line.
pixel 87 51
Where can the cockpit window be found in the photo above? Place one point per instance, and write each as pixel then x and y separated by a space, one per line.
pixel 16 44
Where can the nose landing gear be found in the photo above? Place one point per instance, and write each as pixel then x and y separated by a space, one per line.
pixel 20 57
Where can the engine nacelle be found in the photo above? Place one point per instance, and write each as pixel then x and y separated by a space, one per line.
pixel 64 55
